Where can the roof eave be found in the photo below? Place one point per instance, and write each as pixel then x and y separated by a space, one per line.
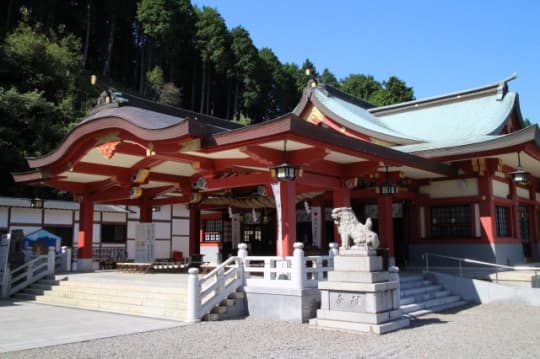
pixel 502 144
pixel 374 134
pixel 446 98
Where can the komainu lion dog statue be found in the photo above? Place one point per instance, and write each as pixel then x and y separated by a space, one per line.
pixel 351 229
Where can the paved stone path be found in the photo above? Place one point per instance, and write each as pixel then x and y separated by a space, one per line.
pixel 486 331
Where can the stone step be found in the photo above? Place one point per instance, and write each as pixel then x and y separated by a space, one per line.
pixel 409 308
pixel 227 302
pixel 110 285
pixel 230 308
pixel 439 308
pixel 419 290
pixel 414 284
pixel 237 295
pixel 176 302
pixel 122 308
pixel 423 297
pixel 92 292
pixel 360 327
pixel 219 309
pixel 210 317
pixel 404 278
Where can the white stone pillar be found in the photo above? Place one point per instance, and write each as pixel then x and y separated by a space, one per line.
pixel 242 254
pixel 6 283
pixel 51 256
pixel 393 276
pixel 333 251
pixel 298 266
pixel 194 296
pixel 66 251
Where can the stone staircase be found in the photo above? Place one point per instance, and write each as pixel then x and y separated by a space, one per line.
pixel 164 302
pixel 420 296
pixel 150 297
pixel 233 307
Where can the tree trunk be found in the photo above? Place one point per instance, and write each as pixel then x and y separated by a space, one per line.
pixel 52 15
pixel 193 84
pixel 148 66
pixel 203 87
pixel 87 38
pixel 142 79
pixel 107 66
pixel 8 20
pixel 236 89
pixel 229 91
pixel 208 88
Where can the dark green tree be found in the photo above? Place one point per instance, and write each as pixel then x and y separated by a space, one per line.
pixel 170 27
pixel 279 87
pixel 245 56
pixel 361 86
pixel 211 40
pixel 32 60
pixel 393 91
pixel 40 97
pixel 329 78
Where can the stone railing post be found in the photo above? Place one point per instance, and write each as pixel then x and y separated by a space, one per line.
pixel 194 296
pixel 6 283
pixel 66 251
pixel 51 256
pixel 298 266
pixel 393 276
pixel 242 254
pixel 333 251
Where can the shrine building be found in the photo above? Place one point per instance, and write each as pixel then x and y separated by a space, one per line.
pixel 455 174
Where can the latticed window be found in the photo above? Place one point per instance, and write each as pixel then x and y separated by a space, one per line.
pixel 451 221
pixel 503 228
pixel 213 230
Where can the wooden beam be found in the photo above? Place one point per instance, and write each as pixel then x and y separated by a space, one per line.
pixel 320 181
pixel 263 156
pixel 253 179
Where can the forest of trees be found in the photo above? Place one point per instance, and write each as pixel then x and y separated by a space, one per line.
pixel 166 50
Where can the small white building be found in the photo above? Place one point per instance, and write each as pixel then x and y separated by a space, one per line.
pixel 114 226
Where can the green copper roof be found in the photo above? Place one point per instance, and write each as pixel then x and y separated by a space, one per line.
pixel 357 118
pixel 455 121
pixel 442 144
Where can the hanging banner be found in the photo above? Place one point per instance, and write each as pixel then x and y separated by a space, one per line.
pixel 316 226
pixel 277 198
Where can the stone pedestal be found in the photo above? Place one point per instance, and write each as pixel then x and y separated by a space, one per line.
pixel 359 296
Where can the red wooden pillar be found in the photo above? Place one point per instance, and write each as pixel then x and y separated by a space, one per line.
pixel 533 215
pixel 194 229
pixel 145 212
pixel 288 217
pixel 341 198
pixel 86 234
pixel 487 209
pixel 386 224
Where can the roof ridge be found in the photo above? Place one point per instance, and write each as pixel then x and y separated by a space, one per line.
pixel 125 99
pixel 345 96
pixel 500 88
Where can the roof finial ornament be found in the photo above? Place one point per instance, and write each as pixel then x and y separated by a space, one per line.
pixel 502 89
pixel 312 82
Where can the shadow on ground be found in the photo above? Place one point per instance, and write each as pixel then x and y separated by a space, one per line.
pixel 429 320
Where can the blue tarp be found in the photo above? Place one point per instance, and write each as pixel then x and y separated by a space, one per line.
pixel 39 241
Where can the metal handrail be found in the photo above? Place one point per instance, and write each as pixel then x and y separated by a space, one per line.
pixel 426 256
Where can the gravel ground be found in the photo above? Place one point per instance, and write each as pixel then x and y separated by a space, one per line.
pixel 485 331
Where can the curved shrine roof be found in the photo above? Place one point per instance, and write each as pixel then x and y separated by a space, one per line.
pixel 456 121
pixel 139 117
pixel 355 117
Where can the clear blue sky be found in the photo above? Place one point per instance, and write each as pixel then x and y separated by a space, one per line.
pixel 434 46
